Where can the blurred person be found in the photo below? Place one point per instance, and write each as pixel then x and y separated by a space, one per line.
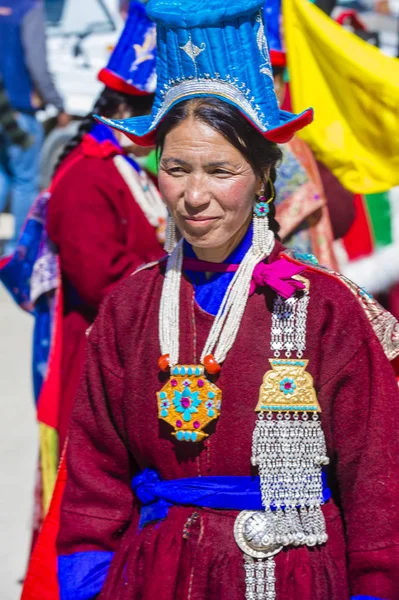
pixel 10 132
pixel 101 218
pixel 9 124
pixel 28 83
pixel 113 221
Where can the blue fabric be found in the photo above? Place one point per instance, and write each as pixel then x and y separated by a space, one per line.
pixel 272 11
pixel 224 493
pixel 366 598
pixel 214 49
pixel 81 576
pixel 16 78
pixel 15 275
pixel 134 56
pixel 209 293
pixel 191 13
pixel 41 343
pixel 19 174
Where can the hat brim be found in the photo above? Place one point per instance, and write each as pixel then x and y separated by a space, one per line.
pixel 118 84
pixel 278 58
pixel 142 130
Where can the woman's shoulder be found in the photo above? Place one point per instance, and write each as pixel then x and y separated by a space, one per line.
pixel 79 163
pixel 346 307
pixel 326 283
pixel 82 181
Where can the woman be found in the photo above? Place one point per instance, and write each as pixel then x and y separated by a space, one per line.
pixel 103 229
pixel 101 218
pixel 220 383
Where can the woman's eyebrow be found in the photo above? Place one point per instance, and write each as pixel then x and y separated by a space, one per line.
pixel 171 159
pixel 183 163
pixel 219 163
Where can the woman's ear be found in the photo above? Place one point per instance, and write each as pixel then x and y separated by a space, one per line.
pixel 261 182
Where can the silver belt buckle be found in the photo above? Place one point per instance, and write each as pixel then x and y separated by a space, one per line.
pixel 254 534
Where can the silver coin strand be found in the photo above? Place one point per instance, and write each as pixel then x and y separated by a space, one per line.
pixel 289 452
pixel 259 578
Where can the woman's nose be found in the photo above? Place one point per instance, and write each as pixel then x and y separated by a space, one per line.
pixel 196 194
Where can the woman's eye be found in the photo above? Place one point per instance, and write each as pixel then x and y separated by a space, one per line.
pixel 176 170
pixel 221 172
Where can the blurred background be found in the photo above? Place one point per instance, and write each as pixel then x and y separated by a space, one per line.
pixel 80 37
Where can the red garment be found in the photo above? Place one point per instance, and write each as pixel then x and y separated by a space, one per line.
pixel 41 582
pixel 102 236
pixel 115 431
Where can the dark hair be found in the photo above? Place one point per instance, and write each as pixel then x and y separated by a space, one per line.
pixel 227 120
pixel 106 105
pixel 278 71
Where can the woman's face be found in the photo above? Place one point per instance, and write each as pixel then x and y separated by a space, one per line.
pixel 207 185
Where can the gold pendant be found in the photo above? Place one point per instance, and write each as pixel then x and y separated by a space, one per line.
pixel 288 387
pixel 189 402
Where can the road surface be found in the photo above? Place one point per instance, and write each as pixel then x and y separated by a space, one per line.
pixel 18 444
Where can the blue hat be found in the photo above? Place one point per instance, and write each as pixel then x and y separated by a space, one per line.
pixel 272 12
pixel 216 49
pixel 131 68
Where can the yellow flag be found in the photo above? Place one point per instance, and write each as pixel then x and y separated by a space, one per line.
pixel 354 90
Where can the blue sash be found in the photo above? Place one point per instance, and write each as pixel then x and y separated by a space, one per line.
pixel 223 492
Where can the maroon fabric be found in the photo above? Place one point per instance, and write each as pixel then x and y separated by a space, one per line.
pixel 115 431
pixel 340 202
pixel 102 236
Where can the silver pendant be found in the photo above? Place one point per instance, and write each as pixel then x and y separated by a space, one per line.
pixel 254 534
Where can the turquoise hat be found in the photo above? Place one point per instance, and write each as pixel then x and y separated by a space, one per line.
pixel 131 67
pixel 213 49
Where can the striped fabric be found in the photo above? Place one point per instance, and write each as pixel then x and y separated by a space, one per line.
pixel 372 228
pixel 368 254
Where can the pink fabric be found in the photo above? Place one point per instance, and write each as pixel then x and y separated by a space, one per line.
pixel 278 276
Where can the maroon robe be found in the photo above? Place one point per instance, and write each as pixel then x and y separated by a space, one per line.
pixel 102 236
pixel 115 431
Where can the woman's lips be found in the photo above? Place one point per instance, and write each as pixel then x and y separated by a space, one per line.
pixel 200 219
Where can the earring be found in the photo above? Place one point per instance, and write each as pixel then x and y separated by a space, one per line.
pixel 170 236
pixel 261 232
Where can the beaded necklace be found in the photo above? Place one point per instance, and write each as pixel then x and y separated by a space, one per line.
pixel 189 401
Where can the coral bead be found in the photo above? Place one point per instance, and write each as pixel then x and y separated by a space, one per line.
pixel 211 365
pixel 163 362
